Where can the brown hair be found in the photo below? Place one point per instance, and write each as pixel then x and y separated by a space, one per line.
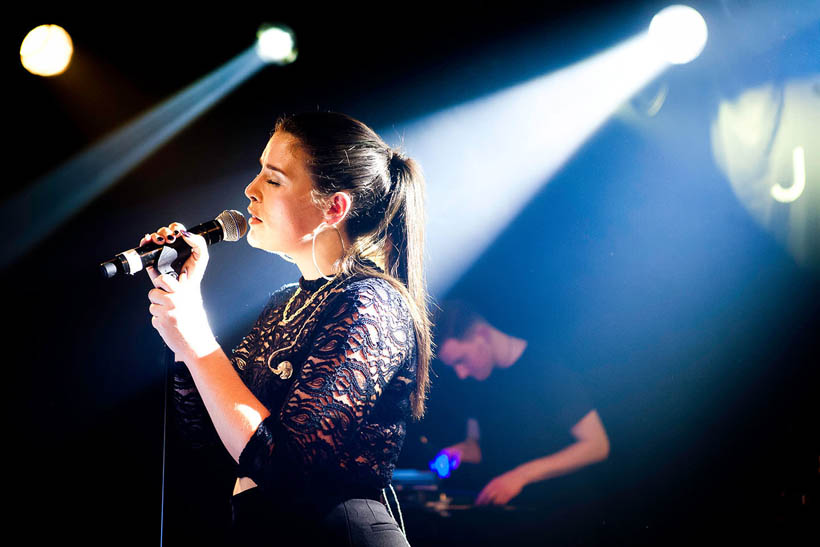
pixel 386 220
pixel 456 319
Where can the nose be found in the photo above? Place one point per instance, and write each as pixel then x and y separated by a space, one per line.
pixel 251 190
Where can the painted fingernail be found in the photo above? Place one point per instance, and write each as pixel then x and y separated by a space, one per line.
pixel 186 233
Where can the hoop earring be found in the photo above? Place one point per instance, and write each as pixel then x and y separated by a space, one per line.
pixel 320 228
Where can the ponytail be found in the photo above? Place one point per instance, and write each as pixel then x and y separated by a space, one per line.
pixel 386 221
pixel 404 258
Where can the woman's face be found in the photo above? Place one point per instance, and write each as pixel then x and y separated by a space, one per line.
pixel 281 206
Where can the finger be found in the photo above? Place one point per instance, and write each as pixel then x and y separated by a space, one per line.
pixel 172 232
pixel 152 272
pixel 194 267
pixel 166 282
pixel 489 493
pixel 160 297
pixel 198 244
pixel 492 498
pixel 168 234
pixel 453 455
pixel 156 309
pixel 158 238
pixel 145 239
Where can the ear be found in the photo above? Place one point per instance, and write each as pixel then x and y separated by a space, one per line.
pixel 337 208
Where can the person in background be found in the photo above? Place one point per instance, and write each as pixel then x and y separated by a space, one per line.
pixel 531 420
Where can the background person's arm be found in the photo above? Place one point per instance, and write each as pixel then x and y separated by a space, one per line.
pixel 591 446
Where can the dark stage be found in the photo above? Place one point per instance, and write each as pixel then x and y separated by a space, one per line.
pixel 645 257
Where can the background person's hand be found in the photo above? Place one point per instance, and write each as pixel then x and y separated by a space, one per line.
pixel 502 489
pixel 467 451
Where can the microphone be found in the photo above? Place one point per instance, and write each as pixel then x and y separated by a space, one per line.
pixel 228 226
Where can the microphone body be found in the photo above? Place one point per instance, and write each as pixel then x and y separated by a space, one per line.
pixel 228 226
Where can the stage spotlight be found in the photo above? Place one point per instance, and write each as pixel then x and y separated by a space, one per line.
pixel 75 183
pixel 276 44
pixel 71 186
pixel 679 32
pixel 46 50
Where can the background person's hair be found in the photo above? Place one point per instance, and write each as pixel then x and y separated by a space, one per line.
pixel 455 319
pixel 385 223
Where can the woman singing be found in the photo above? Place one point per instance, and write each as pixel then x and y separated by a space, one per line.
pixel 314 401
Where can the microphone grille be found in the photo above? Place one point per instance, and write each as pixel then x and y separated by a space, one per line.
pixel 234 225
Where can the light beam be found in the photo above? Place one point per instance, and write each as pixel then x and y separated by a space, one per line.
pixel 484 160
pixel 56 196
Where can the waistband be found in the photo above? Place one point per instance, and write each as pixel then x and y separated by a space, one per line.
pixel 315 501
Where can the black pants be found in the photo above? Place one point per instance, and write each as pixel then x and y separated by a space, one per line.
pixel 353 522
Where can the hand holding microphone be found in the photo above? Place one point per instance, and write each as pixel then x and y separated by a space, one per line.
pixel 176 305
pixel 177 310
pixel 191 261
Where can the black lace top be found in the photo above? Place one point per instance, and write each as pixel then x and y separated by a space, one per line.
pixel 335 364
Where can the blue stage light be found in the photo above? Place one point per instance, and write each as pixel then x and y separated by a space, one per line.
pixel 442 466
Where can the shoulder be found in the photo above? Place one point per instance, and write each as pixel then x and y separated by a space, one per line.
pixel 280 296
pixel 375 294
pixel 374 305
pixel 283 293
pixel 552 370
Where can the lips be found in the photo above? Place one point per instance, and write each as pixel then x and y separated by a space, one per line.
pixel 254 219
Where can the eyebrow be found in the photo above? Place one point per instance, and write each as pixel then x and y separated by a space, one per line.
pixel 273 168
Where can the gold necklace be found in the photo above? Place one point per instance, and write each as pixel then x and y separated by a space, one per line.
pixel 285 369
pixel 285 319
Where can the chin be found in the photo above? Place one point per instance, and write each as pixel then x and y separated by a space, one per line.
pixel 255 241
pixel 251 239
pixel 256 244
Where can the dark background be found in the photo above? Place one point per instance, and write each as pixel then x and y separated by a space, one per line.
pixel 694 330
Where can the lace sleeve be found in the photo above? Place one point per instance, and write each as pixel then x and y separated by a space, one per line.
pixel 190 415
pixel 364 340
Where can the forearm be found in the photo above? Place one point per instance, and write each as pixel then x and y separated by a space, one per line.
pixel 190 415
pixel 235 412
pixel 567 460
